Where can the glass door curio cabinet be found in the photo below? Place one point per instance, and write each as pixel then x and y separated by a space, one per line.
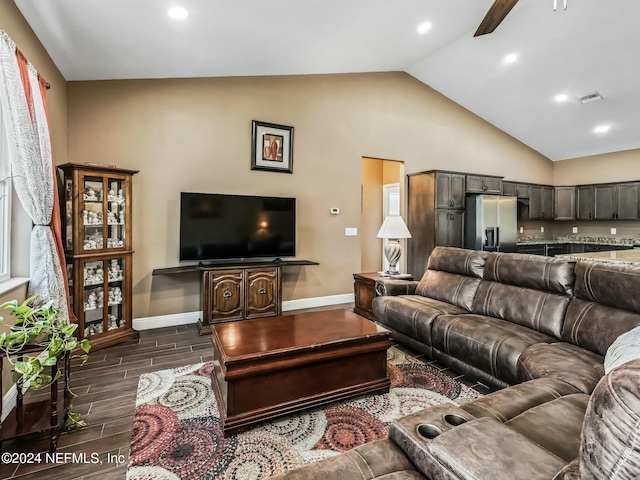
pixel 96 214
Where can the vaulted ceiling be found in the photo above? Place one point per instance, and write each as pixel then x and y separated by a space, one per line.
pixel 514 77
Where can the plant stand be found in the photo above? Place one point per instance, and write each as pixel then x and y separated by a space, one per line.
pixel 41 416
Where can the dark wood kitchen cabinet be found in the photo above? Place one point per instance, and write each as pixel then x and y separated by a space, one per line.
pixel 513 189
pixel 449 190
pixel 484 184
pixel 616 201
pixel 564 202
pixel 584 202
pixel 541 202
pixel 435 215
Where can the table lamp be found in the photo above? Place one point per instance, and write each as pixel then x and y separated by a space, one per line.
pixel 393 228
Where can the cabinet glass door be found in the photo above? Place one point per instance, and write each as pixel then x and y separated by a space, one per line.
pixel 116 207
pixel 92 213
pixel 68 214
pixel 115 297
pixel 93 298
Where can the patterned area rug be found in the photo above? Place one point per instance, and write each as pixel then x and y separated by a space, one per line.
pixel 177 433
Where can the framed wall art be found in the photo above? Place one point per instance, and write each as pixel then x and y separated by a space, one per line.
pixel 271 147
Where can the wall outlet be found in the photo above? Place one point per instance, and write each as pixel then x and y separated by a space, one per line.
pixel 521 229
pixel 614 230
pixel 541 229
pixel 575 229
pixel 334 211
pixel 351 232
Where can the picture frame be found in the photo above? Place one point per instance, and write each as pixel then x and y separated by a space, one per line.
pixel 271 147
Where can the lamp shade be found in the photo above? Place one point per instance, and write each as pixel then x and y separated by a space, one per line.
pixel 393 227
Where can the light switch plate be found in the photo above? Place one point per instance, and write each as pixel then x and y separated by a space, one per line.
pixel 541 229
pixel 614 230
pixel 351 232
pixel 575 229
pixel 521 229
pixel 334 211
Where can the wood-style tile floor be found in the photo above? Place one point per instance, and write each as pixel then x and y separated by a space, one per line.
pixel 106 387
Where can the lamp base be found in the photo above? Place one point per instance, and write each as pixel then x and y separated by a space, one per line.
pixel 392 251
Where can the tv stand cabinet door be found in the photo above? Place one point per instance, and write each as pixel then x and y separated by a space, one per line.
pixel 224 296
pixel 263 292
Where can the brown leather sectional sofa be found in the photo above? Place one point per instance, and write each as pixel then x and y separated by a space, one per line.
pixel 537 326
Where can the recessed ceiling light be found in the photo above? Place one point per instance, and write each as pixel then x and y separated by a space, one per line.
pixel 424 28
pixel 512 57
pixel 178 13
pixel 562 97
pixel 602 129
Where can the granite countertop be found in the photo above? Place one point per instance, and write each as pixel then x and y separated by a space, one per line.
pixel 614 241
pixel 617 256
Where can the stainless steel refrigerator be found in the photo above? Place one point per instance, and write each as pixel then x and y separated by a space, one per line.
pixel 491 223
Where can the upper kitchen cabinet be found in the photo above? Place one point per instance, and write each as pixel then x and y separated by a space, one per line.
pixel 564 202
pixel 513 189
pixel 617 201
pixel 541 202
pixel 450 189
pixel 605 202
pixel 484 184
pixel 628 198
pixel 584 202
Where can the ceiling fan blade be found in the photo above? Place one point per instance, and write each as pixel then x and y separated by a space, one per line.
pixel 494 16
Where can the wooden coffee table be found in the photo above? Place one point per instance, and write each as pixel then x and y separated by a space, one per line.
pixel 268 367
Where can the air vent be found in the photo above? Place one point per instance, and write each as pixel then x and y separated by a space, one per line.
pixel 589 97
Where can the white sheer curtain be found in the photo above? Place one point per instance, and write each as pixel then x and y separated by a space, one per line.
pixel 29 146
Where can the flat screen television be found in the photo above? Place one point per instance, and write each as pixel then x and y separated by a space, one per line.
pixel 224 227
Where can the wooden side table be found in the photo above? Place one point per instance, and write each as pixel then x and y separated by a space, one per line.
pixel 364 288
pixel 48 415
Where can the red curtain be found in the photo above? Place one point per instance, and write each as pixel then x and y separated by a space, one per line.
pixel 56 227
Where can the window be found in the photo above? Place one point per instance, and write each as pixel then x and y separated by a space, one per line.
pixel 5 206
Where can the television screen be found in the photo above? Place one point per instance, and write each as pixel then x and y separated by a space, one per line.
pixel 217 226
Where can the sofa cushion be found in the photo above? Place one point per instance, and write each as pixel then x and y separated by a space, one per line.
pixel 624 349
pixel 457 260
pixel 411 314
pixel 564 361
pixel 510 402
pixel 554 425
pixel 595 326
pixel 488 343
pixel 531 271
pixel 534 309
pixel 594 283
pixel 611 431
pixel 449 287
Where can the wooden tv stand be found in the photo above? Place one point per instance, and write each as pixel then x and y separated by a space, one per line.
pixel 237 290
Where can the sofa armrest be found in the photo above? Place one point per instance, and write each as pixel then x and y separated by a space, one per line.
pixel 482 449
pixel 392 287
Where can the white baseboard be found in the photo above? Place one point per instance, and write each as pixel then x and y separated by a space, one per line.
pixel 9 401
pixel 174 319
pixel 317 302
pixel 171 320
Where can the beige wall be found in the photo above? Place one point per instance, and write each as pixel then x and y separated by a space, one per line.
pixel 194 135
pixel 609 167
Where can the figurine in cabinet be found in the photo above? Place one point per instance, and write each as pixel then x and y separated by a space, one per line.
pixel 115 273
pixel 120 197
pixel 111 218
pixel 121 217
pixel 111 197
pixel 90 194
pixel 92 299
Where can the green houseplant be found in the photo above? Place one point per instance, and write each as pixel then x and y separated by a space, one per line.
pixel 45 327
